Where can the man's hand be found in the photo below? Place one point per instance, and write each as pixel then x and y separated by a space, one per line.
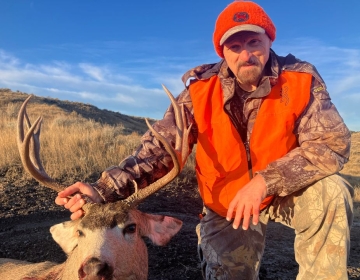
pixel 75 203
pixel 246 201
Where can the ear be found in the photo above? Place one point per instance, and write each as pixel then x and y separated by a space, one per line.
pixel 159 228
pixel 65 235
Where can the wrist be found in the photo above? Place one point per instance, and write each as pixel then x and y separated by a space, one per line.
pixel 98 196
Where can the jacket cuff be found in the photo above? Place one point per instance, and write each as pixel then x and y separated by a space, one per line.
pixel 274 181
pixel 107 193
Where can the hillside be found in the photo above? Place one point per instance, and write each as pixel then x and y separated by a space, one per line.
pixel 10 100
pixel 76 148
pixel 351 169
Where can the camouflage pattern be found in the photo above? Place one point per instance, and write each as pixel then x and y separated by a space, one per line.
pixel 323 211
pixel 323 137
pixel 321 216
pixel 226 253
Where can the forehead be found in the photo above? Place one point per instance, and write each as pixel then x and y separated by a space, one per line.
pixel 105 215
pixel 244 36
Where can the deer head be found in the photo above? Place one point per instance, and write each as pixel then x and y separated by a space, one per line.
pixel 107 242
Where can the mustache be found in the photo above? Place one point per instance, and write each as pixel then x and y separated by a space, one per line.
pixel 252 61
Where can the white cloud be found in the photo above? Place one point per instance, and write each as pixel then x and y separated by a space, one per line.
pixel 340 69
pixel 95 72
pixel 132 83
pixel 83 82
pixel 8 59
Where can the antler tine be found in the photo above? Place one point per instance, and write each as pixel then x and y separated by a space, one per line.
pixel 178 155
pixel 178 118
pixel 182 136
pixel 35 143
pixel 30 157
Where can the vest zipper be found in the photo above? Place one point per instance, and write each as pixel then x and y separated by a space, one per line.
pixel 248 156
pixel 246 144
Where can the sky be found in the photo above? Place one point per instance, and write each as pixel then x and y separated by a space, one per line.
pixel 116 54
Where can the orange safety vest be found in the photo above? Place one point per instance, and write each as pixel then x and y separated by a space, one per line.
pixel 221 161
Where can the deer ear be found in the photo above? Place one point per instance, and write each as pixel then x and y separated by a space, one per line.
pixel 65 235
pixel 160 229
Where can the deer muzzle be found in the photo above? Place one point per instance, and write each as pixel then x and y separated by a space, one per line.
pixel 95 269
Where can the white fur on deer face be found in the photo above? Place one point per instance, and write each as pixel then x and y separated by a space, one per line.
pixel 107 242
pixel 109 245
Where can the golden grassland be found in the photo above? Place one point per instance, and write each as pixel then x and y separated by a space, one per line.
pixel 351 170
pixel 74 147
pixel 70 144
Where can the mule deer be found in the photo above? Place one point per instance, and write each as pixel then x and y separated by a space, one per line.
pixel 106 243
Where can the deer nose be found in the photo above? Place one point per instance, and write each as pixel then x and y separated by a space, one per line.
pixel 94 269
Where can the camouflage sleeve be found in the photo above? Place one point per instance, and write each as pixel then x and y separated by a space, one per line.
pixel 149 162
pixel 324 147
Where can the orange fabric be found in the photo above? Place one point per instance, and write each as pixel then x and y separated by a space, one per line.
pixel 239 13
pixel 221 162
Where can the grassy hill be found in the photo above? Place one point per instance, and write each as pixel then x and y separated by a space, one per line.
pixel 351 169
pixel 92 139
pixel 78 141
pixel 51 107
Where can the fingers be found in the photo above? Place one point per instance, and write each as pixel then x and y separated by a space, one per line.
pixel 75 203
pixel 238 216
pixel 61 201
pixel 243 212
pixel 70 190
pixel 230 211
pixel 255 218
pixel 78 187
pixel 246 203
pixel 62 197
pixel 76 215
pixel 246 218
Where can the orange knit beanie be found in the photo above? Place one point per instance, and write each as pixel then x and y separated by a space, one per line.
pixel 241 16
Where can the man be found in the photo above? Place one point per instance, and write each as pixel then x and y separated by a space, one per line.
pixel 269 142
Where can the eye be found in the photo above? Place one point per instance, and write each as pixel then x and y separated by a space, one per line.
pixel 79 233
pixel 254 42
pixel 129 229
pixel 234 47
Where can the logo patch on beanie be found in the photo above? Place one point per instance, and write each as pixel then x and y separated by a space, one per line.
pixel 241 17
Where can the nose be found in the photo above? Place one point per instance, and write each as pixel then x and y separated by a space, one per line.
pixel 94 269
pixel 245 55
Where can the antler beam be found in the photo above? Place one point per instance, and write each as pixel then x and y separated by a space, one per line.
pixel 178 155
pixel 29 149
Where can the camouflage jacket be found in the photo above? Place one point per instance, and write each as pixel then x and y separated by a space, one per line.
pixel 324 139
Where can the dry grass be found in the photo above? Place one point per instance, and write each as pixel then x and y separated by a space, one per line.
pixel 351 171
pixel 70 144
pixel 74 147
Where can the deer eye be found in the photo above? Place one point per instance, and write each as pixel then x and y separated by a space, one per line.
pixel 79 233
pixel 131 228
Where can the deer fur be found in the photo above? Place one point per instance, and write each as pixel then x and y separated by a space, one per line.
pixel 105 244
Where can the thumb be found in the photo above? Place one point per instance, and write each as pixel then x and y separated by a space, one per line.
pixel 69 191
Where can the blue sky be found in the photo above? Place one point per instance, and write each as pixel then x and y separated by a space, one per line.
pixel 116 54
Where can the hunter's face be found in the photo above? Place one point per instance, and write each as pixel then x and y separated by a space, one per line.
pixel 246 54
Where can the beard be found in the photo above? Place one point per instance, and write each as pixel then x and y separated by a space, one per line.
pixel 250 76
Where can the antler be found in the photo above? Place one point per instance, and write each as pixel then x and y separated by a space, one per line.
pixel 29 149
pixel 178 155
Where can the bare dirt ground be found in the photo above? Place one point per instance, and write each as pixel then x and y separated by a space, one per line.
pixel 27 211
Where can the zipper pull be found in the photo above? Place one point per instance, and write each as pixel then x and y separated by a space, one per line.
pixel 248 156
